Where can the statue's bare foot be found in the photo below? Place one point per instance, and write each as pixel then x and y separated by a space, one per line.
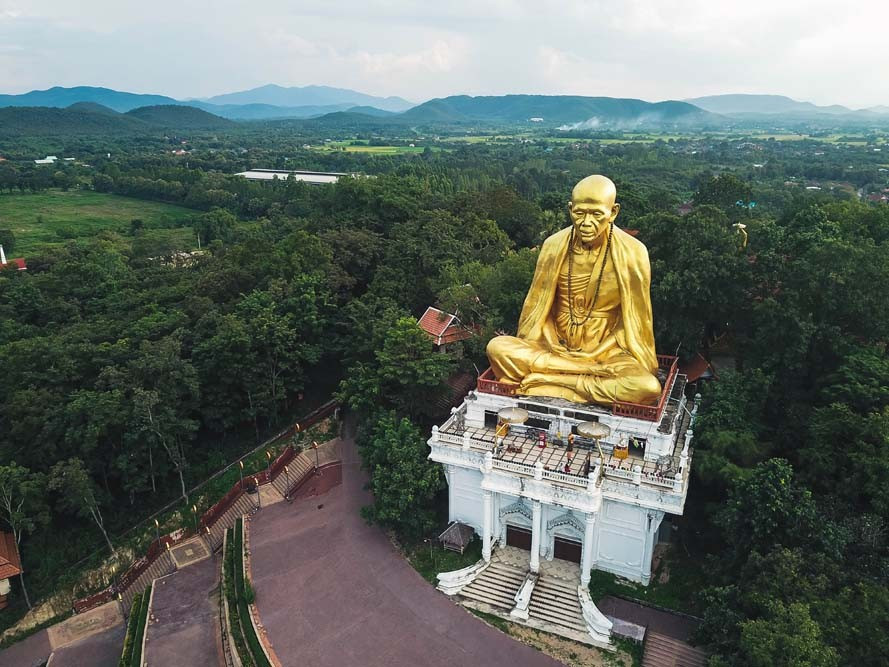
pixel 537 379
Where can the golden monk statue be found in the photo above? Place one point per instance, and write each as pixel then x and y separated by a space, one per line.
pixel 585 332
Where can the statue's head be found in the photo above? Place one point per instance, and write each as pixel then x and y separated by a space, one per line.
pixel 592 207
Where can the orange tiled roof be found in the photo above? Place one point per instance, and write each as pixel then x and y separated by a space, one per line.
pixel 10 565
pixel 443 327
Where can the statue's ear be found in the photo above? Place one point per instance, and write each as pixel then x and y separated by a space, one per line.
pixel 615 210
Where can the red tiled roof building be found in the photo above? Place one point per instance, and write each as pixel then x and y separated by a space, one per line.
pixel 443 328
pixel 10 564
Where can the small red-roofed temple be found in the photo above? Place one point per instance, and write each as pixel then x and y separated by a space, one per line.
pixel 443 328
pixel 18 262
pixel 10 564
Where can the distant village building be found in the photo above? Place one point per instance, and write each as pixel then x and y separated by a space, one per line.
pixel 10 564
pixel 310 177
pixel 536 119
pixel 49 159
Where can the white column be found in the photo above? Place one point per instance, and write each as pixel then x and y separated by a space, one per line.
pixel 535 535
pixel 586 558
pixel 653 519
pixel 487 511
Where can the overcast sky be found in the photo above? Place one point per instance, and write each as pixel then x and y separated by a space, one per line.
pixel 814 50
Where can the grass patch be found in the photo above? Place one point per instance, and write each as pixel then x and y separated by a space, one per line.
pixel 239 594
pixel 627 646
pixel 132 645
pixel 677 593
pixel 429 559
pixel 53 217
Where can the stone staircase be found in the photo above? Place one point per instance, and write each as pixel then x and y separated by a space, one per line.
pixel 664 651
pixel 162 566
pixel 496 586
pixel 244 505
pixel 297 469
pixel 555 601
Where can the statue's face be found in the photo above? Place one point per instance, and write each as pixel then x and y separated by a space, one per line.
pixel 592 217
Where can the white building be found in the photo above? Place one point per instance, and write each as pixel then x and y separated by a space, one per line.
pixel 310 177
pixel 551 502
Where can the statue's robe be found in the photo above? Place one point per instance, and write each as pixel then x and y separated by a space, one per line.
pixel 616 359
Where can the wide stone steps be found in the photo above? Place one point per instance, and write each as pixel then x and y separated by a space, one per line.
pixel 555 601
pixel 162 566
pixel 664 651
pixel 496 586
pixel 244 505
pixel 297 468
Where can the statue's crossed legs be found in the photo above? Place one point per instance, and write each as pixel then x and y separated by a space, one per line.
pixel 574 376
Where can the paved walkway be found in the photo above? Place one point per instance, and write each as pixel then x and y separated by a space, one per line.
pixel 185 609
pixel 333 592
pixel 93 638
pixel 99 650
pixel 663 622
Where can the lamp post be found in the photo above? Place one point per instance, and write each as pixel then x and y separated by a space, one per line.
pixel 241 472
pixel 286 479
pixel 268 465
pixel 194 513
pixel 258 493
pixel 157 531
pixel 315 447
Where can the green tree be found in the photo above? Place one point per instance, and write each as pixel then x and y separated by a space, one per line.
pixel 403 481
pixel 77 493
pixel 7 240
pixel 786 637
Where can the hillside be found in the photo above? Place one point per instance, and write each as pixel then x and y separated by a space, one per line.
pixel 180 117
pixel 93 107
pixel 555 110
pixel 64 97
pixel 37 121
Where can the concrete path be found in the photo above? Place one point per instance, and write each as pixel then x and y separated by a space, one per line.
pixel 184 629
pixel 93 638
pixel 99 650
pixel 29 652
pixel 333 592
pixel 663 622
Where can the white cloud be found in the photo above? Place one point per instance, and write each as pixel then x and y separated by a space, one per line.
pixel 807 49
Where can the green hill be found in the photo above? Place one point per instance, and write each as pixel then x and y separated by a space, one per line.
pixel 37 121
pixel 64 97
pixel 180 117
pixel 93 107
pixel 560 110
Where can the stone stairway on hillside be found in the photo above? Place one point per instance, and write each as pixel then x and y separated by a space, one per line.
pixel 496 586
pixel 297 469
pixel 162 566
pixel 664 651
pixel 555 601
pixel 244 505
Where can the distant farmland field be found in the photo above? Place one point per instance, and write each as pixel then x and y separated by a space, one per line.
pixel 54 217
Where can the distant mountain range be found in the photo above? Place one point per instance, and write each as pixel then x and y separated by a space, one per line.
pixel 87 109
pixel 778 105
pixel 260 103
pixel 308 96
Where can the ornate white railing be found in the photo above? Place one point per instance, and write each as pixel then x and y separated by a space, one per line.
pixel 564 478
pixel 520 468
